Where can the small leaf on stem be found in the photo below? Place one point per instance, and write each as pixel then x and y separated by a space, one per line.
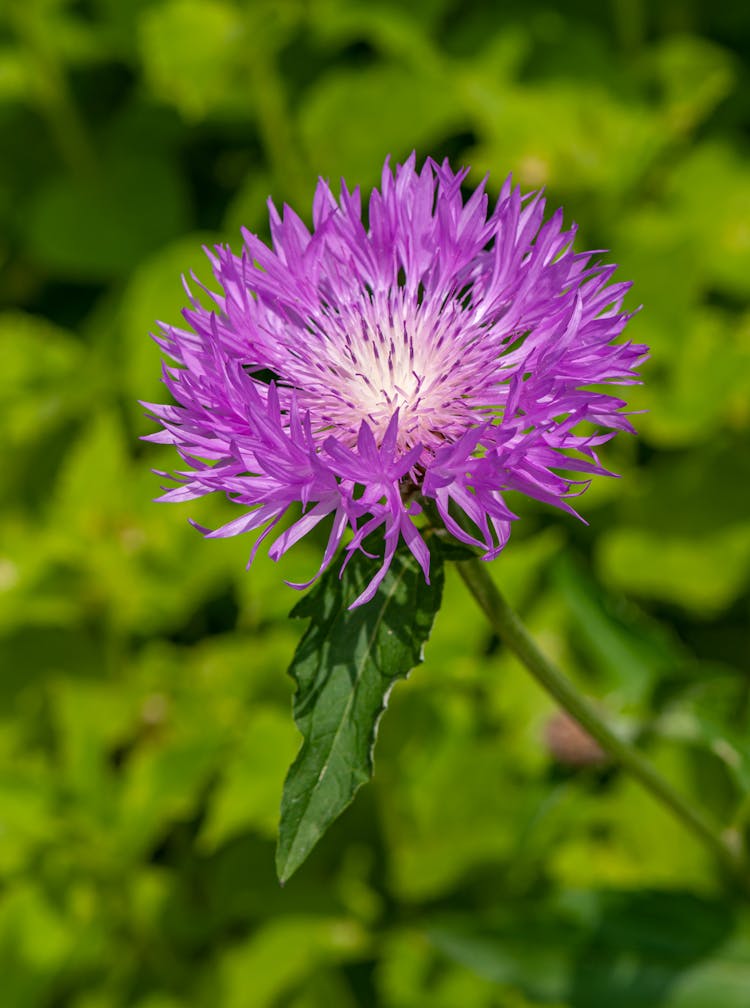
pixel 345 667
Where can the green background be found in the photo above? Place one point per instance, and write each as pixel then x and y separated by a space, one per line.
pixel 145 722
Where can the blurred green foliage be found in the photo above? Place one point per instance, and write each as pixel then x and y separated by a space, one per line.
pixel 145 720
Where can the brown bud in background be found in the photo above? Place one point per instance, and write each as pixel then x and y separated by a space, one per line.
pixel 570 744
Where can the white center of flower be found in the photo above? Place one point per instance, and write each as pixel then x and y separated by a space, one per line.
pixel 381 356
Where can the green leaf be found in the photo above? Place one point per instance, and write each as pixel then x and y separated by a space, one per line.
pixel 89 230
pixel 155 294
pixel 628 653
pixel 338 143
pixel 704 574
pixel 247 797
pixel 15 74
pixel 645 949
pixel 192 55
pixel 283 954
pixel 723 224
pixel 345 667
pixel 37 382
pixel 587 132
pixel 710 719
pixel 695 75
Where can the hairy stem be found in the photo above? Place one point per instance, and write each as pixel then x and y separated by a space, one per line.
pixel 516 637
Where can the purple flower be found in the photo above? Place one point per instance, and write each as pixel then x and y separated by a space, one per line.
pixel 437 353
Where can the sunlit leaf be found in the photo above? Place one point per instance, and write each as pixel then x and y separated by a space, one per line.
pixel 249 794
pixel 277 959
pixel 695 76
pixel 701 573
pixel 193 53
pixel 339 143
pixel 155 293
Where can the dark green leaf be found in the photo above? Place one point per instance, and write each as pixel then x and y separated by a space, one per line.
pixel 452 549
pixel 629 653
pixel 345 667
pixel 629 950
pixel 92 230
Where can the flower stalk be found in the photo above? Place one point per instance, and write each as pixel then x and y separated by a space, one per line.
pixel 509 628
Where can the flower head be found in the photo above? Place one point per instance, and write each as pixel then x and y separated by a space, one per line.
pixel 442 352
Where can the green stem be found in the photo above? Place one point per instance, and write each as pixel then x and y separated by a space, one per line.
pixel 516 637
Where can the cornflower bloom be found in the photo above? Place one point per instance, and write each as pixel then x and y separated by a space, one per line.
pixel 440 353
